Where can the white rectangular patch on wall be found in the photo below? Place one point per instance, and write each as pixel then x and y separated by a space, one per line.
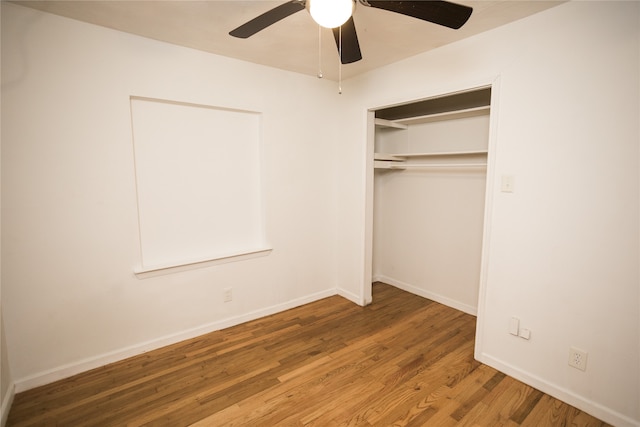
pixel 198 182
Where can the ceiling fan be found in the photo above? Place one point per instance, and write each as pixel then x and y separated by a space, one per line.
pixel 340 18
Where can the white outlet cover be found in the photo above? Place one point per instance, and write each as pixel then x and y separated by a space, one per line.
pixel 578 358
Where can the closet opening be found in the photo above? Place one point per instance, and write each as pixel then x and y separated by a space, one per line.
pixel 426 192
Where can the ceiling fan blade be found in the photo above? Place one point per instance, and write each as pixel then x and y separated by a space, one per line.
pixel 350 46
pixel 268 18
pixel 439 12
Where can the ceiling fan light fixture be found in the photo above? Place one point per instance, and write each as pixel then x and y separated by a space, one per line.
pixel 330 13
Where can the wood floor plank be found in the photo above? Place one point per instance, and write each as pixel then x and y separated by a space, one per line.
pixel 505 401
pixel 402 361
pixel 438 373
pixel 470 391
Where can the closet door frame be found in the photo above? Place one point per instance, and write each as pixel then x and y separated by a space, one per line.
pixel 366 294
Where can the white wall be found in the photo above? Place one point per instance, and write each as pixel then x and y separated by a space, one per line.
pixel 428 233
pixel 6 382
pixel 561 253
pixel 69 220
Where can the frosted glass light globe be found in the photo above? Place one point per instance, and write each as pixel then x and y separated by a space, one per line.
pixel 330 13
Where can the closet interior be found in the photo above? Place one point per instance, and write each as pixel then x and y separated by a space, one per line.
pixel 429 193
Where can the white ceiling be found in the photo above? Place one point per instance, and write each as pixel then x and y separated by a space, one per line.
pixel 291 44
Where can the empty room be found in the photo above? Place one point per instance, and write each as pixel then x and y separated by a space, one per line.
pixel 428 215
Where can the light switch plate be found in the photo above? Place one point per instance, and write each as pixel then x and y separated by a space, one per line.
pixel 507 184
pixel 514 326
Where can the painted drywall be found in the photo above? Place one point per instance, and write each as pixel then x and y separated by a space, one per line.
pixel 561 252
pixel 6 383
pixel 186 208
pixel 69 220
pixel 428 234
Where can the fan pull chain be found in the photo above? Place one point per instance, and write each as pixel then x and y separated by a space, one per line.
pixel 340 63
pixel 319 52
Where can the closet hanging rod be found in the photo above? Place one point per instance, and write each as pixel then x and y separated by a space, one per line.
pixel 439 165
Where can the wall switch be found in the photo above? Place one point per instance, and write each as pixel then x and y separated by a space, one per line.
pixel 524 333
pixel 514 326
pixel 228 294
pixel 507 184
pixel 578 358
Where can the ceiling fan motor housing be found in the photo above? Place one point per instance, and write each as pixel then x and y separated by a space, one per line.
pixel 330 13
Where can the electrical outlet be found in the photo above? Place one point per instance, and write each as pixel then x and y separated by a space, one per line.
pixel 228 294
pixel 578 358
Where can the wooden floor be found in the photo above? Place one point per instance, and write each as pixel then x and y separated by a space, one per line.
pixel 402 361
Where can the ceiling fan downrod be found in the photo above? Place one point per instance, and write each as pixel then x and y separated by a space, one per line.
pixel 340 63
pixel 319 52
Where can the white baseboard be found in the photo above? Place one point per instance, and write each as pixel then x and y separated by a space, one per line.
pixel 593 408
pixel 429 295
pixel 6 404
pixel 356 299
pixel 84 365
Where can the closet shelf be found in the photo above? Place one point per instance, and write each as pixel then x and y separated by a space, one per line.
pixel 388 157
pixel 398 161
pixel 435 154
pixel 378 164
pixel 436 165
pixel 383 123
pixel 448 115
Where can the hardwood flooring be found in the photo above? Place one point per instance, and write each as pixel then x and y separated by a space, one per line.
pixel 402 361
